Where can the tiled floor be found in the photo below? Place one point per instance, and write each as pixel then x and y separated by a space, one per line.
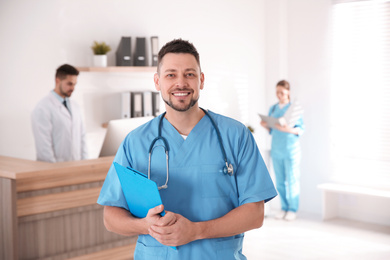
pixel 308 237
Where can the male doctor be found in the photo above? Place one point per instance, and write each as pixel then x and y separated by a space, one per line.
pixel 207 211
pixel 57 121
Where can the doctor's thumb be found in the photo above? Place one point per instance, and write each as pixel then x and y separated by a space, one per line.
pixel 158 209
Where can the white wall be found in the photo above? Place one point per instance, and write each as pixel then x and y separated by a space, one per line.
pixel 309 71
pixel 41 35
pixel 297 49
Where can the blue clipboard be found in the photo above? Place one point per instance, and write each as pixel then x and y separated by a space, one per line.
pixel 141 193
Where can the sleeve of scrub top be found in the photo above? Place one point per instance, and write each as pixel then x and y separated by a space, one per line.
pixel 111 193
pixel 42 128
pixel 299 124
pixel 253 180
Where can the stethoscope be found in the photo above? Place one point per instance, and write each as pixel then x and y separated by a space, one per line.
pixel 227 168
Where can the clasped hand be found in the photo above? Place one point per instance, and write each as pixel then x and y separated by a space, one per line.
pixel 172 229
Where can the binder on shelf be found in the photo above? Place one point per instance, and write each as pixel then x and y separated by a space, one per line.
pixel 154 45
pixel 126 105
pixel 156 103
pixel 147 104
pixel 136 104
pixel 140 104
pixel 123 53
pixel 140 52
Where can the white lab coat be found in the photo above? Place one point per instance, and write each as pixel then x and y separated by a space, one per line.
pixel 59 135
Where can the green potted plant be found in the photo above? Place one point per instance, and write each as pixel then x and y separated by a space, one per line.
pixel 100 50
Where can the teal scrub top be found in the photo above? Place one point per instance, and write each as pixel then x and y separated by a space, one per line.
pixel 197 188
pixel 284 144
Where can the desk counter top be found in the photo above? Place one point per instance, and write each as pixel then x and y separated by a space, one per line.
pixel 32 175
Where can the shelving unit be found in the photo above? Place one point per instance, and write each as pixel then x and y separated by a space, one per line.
pixel 118 69
pixel 99 93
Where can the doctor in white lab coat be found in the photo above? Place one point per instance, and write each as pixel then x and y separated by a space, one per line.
pixel 57 122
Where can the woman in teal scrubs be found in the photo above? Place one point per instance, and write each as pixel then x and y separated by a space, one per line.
pixel 285 153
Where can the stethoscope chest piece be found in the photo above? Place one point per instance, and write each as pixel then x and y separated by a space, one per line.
pixel 228 169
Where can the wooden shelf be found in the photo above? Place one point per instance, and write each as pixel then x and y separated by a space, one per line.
pixel 118 69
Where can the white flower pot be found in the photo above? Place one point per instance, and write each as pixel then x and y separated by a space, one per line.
pixel 100 60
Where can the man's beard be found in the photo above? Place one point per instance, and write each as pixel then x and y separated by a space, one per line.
pixel 181 109
pixel 66 94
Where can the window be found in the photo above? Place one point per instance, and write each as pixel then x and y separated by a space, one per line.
pixel 360 90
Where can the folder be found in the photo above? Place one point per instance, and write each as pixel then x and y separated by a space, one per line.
pixel 126 107
pixel 123 53
pixel 148 108
pixel 156 103
pixel 290 118
pixel 141 194
pixel 140 52
pixel 136 104
pixel 154 45
pixel 271 121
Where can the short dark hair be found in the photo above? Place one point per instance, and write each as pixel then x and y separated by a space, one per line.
pixel 178 46
pixel 65 70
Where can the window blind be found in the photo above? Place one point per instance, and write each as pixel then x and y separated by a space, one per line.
pixel 360 93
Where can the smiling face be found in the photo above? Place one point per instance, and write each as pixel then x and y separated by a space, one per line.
pixel 179 80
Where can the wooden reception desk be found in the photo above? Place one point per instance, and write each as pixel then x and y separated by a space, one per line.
pixel 49 211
